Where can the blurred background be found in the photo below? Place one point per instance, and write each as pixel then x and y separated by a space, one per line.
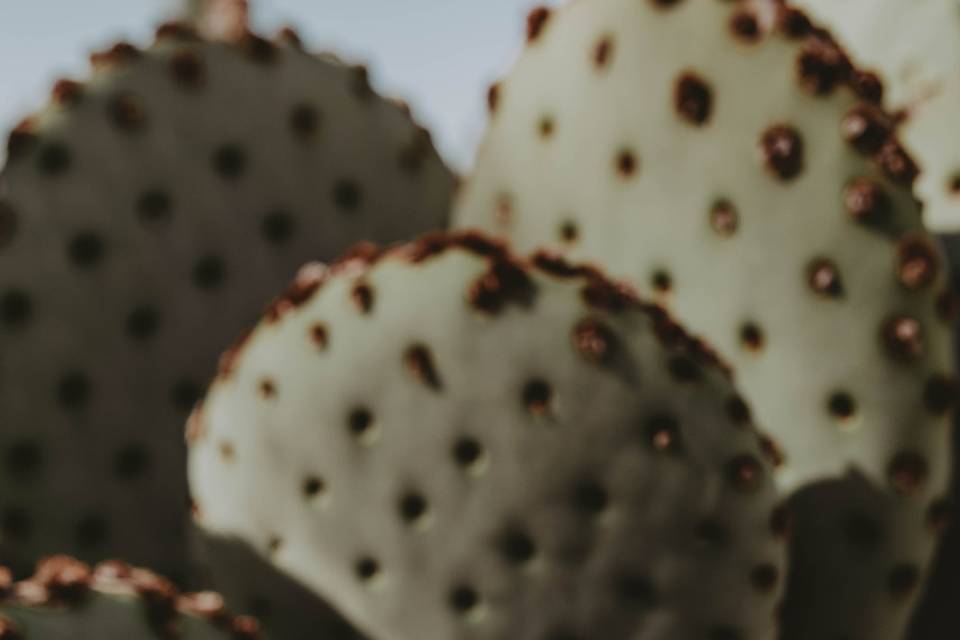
pixel 438 55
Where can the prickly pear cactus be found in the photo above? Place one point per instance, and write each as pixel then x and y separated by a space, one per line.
pixel 914 46
pixel 66 600
pixel 735 169
pixel 449 443
pixel 145 216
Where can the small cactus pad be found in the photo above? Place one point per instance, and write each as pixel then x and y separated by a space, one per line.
pixel 447 442
pixel 67 600
pixel 732 165
pixel 145 216
pixel 914 47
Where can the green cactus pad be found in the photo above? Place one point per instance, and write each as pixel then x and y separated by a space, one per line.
pixel 146 216
pixel 447 442
pixel 730 164
pixel 66 600
pixel 914 46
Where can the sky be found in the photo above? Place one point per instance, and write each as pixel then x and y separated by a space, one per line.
pixel 438 55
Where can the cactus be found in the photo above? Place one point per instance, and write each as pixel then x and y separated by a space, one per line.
pixel 731 162
pixel 446 441
pixel 914 46
pixel 66 600
pixel 145 216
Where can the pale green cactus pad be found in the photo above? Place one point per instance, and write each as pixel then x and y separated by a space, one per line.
pixel 446 442
pixel 146 216
pixel 67 600
pixel 732 166
pixel 914 46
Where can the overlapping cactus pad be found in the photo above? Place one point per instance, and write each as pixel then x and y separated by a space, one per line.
pixel 145 217
pixel 733 163
pixel 67 600
pixel 448 442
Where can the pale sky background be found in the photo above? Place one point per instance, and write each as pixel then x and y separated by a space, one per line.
pixel 439 55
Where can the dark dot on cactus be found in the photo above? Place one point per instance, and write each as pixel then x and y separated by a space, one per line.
pixel 712 533
pixel 590 498
pixel 903 338
pixel 9 222
pixel 366 568
pixel 347 195
pixel 953 185
pixel 412 507
pixel 258 49
pixel 738 411
pixel 635 589
pixel 536 396
pixel 917 262
pixel 861 530
pixel 267 388
pixel 724 218
pixel 15 523
pixel 86 249
pixel 517 547
pixel 362 297
pixel 546 127
pixel 420 362
pixel 126 112
pixel 131 462
pixel 91 531
pixel 320 335
pixel 304 121
pixel 360 421
pixel 463 599
pixel 865 200
pixel 209 272
pixel 662 434
pixel 143 323
pixel 274 544
pixel 764 577
pixel 603 52
pixel 626 163
pixel 229 161
pixel 154 206
pixel 897 163
pixel 782 150
pixel 684 369
pixel 841 405
pixel 15 308
pixel 751 337
pixel 569 232
pixel 939 515
pixel 661 281
pixel 693 99
pixel 277 227
pixel 908 472
pixel 73 390
pixel 745 26
pixel 24 458
pixel 823 278
pixel 865 130
pixel 313 486
pixel 67 93
pixel 947 306
pixel 187 69
pixel 184 395
pixel 724 632
pixel 940 394
pixel 744 472
pixel 227 451
pixel 53 159
pixel 493 98
pixel 594 340
pixel 903 580
pixel 821 67
pixel 467 452
pixel 771 450
pixel 536 21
